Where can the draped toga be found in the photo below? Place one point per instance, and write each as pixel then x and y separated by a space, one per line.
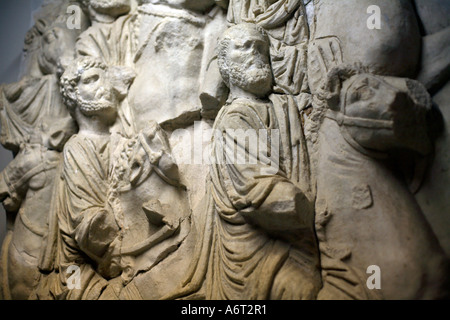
pixel 236 259
pixel 84 226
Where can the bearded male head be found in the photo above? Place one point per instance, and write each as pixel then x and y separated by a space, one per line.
pixel 93 91
pixel 244 60
pixel 85 85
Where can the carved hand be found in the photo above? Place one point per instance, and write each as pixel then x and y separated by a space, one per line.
pixel 285 208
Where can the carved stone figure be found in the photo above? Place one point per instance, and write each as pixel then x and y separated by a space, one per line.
pixel 258 239
pixel 35 126
pixel 27 104
pixel 83 204
pixel 151 207
pixel 365 215
pixel 26 187
pixel 113 43
pixel 367 116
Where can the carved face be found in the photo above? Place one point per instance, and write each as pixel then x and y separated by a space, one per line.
pixel 248 62
pixel 95 92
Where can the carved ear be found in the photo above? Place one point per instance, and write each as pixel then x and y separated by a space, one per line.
pixel 121 78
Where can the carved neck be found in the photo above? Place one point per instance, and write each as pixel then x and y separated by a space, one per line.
pixel 94 125
pixel 239 93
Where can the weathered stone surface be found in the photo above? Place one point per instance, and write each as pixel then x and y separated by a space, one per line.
pixel 241 149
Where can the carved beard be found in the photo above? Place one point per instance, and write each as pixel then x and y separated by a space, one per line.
pixel 90 108
pixel 252 76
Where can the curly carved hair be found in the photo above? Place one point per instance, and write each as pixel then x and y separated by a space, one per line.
pixel 71 76
pixel 224 44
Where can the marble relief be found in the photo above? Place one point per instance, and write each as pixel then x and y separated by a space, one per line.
pixel 228 150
